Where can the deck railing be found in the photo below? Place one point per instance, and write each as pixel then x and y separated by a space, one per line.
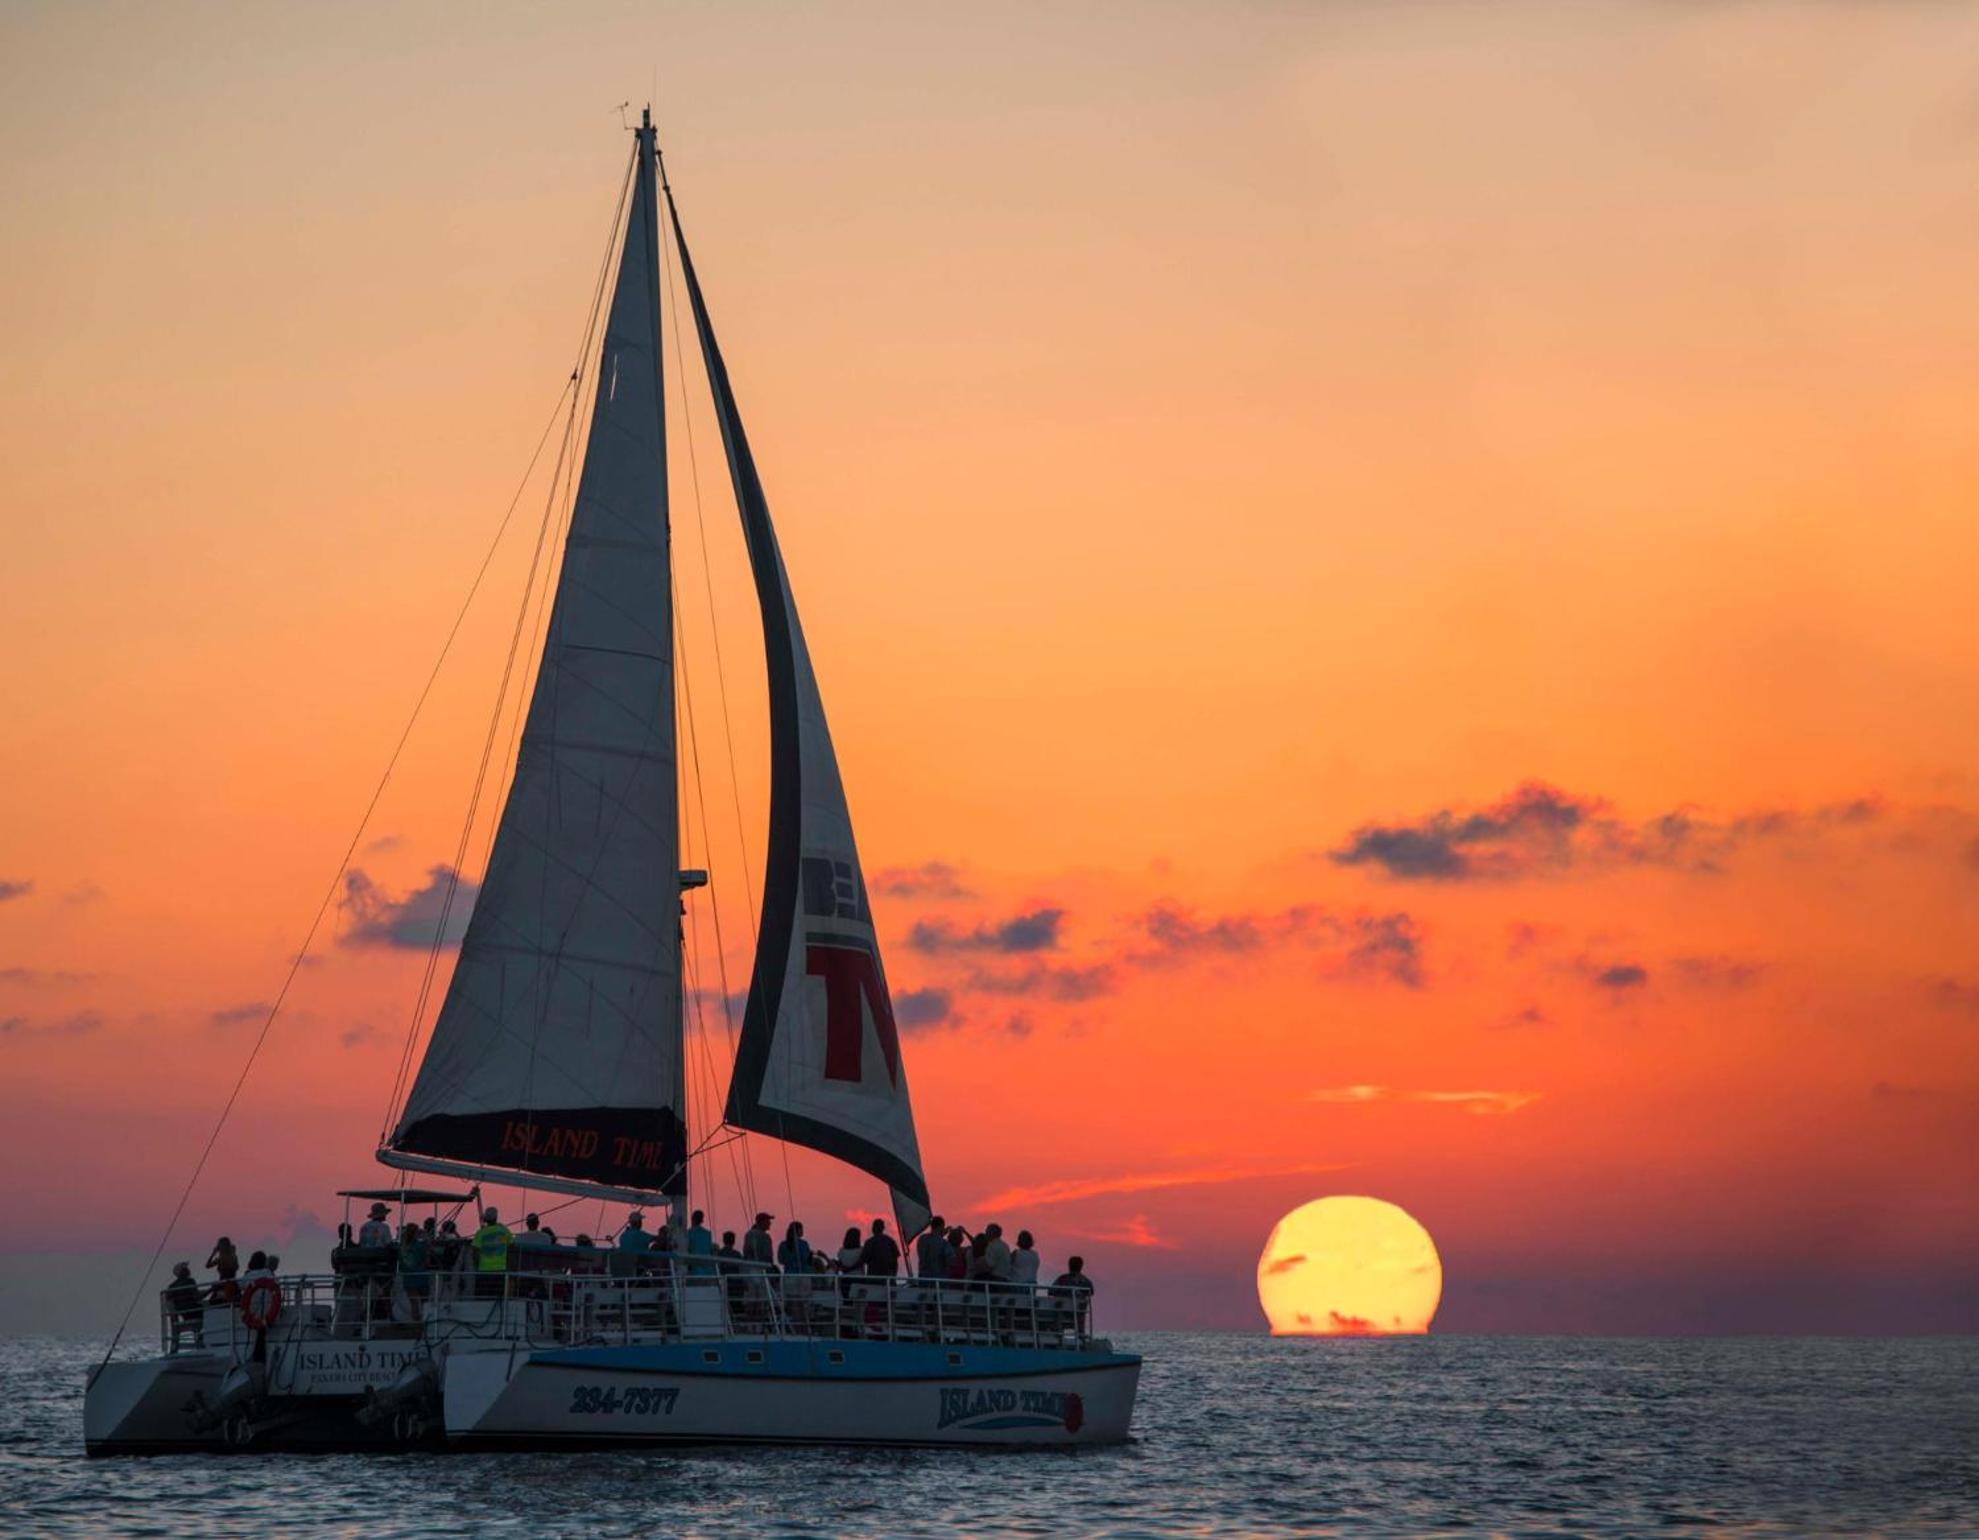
pixel 655 1300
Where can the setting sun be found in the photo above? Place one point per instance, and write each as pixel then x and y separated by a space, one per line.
pixel 1349 1267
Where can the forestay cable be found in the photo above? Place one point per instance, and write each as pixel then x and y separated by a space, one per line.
pixel 336 882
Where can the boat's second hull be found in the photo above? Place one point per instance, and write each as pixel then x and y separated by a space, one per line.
pixel 788 1392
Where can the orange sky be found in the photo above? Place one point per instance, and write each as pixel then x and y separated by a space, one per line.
pixel 1223 454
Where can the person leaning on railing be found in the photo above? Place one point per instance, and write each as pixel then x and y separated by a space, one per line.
pixel 1074 1285
pixel 182 1300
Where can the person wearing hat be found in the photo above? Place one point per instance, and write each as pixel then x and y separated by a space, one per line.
pixel 377 1230
pixel 633 1244
pixel 182 1299
pixel 634 1237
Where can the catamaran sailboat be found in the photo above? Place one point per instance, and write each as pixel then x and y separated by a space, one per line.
pixel 556 1063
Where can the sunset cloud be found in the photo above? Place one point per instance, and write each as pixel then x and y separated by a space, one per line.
pixel 1538 830
pixel 1384 945
pixel 917 1008
pixel 1178 934
pixel 76 1024
pixel 1524 1016
pixel 1534 827
pixel 1614 977
pixel 1717 972
pixel 931 879
pixel 1482 1103
pixel 1365 945
pixel 1072 1189
pixel 1067 985
pixel 11 888
pixel 1137 1231
pixel 239 1015
pixel 1953 994
pixel 718 1007
pixel 1033 931
pixel 35 978
pixel 376 918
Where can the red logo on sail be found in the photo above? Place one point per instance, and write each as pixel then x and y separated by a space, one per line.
pixel 852 987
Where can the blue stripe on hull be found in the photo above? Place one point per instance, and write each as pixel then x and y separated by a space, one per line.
pixel 812 1359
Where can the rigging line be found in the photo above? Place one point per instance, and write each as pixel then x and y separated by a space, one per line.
pixel 708 1083
pixel 564 524
pixel 460 854
pixel 336 880
pixel 711 1082
pixel 473 807
pixel 783 1144
pixel 707 843
pixel 721 683
pixel 574 387
pixel 708 582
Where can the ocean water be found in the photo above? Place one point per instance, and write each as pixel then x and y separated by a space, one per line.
pixel 1235 1435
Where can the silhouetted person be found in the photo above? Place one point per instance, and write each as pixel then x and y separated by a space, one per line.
pixel 1024 1260
pixel 996 1254
pixel 931 1250
pixel 182 1299
pixel 533 1234
pixel 700 1246
pixel 377 1230
pixel 793 1253
pixel 225 1262
pixel 757 1245
pixel 1073 1284
pixel 880 1256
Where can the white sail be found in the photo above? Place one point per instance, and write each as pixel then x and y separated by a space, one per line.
pixel 556 1057
pixel 819 1059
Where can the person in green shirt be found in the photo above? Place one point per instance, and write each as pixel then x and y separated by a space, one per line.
pixel 490 1246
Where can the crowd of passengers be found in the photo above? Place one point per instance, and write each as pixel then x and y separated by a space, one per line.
pixel 417 1252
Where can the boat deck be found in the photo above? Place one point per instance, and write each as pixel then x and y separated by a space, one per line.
pixel 683 1302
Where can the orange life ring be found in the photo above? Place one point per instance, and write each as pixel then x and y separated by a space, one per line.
pixel 261 1303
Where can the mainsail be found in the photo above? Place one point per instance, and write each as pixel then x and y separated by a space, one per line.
pixel 819 1058
pixel 556 1058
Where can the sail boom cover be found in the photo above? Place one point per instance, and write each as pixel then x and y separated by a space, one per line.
pixel 557 1051
pixel 819 1061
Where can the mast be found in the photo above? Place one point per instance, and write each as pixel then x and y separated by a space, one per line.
pixel 557 1057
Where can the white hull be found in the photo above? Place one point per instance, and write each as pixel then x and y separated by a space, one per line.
pixel 308 1394
pixel 141 1405
pixel 887 1393
pixel 880 1393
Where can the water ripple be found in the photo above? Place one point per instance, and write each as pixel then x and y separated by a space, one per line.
pixel 1237 1435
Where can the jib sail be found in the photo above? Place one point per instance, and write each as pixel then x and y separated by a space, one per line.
pixel 819 1058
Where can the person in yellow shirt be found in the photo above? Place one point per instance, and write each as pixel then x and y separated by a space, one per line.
pixel 490 1246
